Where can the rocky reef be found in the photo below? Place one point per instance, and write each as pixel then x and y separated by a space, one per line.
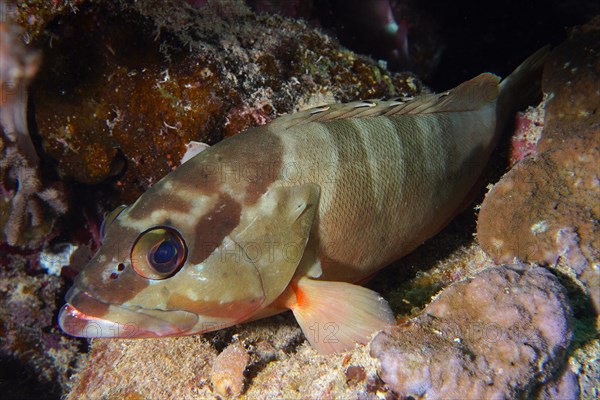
pixel 512 312
pixel 191 74
pixel 495 335
pixel 555 217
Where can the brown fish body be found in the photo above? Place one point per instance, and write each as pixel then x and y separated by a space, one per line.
pixel 387 183
pixel 290 215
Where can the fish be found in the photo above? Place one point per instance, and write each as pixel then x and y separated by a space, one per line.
pixel 295 215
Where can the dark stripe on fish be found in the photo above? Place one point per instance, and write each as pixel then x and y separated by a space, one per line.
pixel 214 226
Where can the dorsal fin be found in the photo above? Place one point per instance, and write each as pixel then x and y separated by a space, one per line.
pixel 467 96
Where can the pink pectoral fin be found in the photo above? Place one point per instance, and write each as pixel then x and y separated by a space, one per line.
pixel 335 316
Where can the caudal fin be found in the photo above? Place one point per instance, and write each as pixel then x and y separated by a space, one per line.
pixel 523 86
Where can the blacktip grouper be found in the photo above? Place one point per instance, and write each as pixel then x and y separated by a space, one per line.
pixel 294 215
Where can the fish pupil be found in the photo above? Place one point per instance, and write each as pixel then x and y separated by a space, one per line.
pixel 165 252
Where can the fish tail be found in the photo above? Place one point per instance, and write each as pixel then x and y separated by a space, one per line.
pixel 522 87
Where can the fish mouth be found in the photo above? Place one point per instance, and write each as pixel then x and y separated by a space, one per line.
pixel 92 318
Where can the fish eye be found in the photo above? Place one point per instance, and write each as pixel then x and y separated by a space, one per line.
pixel 110 218
pixel 158 253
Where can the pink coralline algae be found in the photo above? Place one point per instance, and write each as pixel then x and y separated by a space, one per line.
pixel 528 129
pixel 485 337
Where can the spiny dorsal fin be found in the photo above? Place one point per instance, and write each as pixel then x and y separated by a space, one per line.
pixel 467 96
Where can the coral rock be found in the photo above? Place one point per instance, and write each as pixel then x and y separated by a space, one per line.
pixel 153 76
pixel 173 368
pixel 496 335
pixel 227 373
pixel 565 387
pixel 571 80
pixel 546 208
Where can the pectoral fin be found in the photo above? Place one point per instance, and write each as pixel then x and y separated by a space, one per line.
pixel 334 316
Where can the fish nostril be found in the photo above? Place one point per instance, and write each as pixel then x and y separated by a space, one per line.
pixel 114 275
pixel 120 267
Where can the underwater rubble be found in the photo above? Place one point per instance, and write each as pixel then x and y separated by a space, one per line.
pixel 155 75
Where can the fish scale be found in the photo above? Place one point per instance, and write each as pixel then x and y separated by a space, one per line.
pixel 415 159
pixel 292 215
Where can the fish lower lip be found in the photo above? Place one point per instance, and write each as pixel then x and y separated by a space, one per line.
pixel 76 323
pixel 92 318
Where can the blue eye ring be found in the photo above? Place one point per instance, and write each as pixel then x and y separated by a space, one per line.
pixel 158 253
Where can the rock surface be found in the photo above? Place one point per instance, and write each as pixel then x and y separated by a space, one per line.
pixel 485 337
pixel 153 76
pixel 546 208
pixel 282 365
